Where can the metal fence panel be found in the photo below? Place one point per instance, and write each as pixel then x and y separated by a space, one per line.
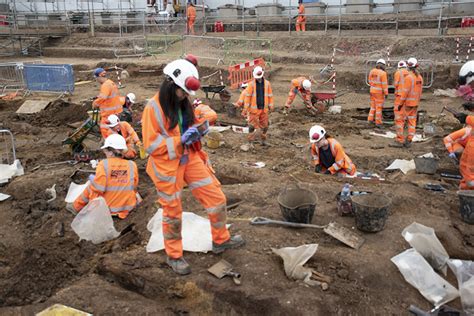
pixel 243 49
pixel 205 47
pixel 160 44
pixel 11 76
pixel 130 47
pixel 50 78
pixel 426 68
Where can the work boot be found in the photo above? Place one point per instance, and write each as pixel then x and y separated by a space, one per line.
pixel 264 142
pixel 234 242
pixel 408 143
pixel 396 144
pixel 379 127
pixel 179 266
pixel 371 123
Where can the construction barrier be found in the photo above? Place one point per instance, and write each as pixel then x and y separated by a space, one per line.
pixel 205 47
pixel 241 49
pixel 11 77
pixel 7 147
pixel 160 44
pixel 49 78
pixel 426 68
pixel 241 73
pixel 134 46
pixel 468 48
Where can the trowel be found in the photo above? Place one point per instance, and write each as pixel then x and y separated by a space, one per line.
pixel 224 268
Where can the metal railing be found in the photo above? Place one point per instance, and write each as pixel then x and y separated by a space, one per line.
pixel 134 46
pixel 7 147
pixel 11 77
pixel 205 47
pixel 161 44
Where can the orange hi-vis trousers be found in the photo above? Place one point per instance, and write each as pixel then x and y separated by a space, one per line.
pixel 376 106
pixel 405 113
pixel 300 25
pixel 258 120
pixel 206 189
pixel 466 166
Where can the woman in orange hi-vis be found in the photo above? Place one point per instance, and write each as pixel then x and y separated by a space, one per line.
pixel 115 126
pixel 172 140
pixel 191 15
pixel 406 105
pixel 327 154
pixel 301 19
pixel 258 102
pixel 109 101
pixel 116 180
pixel 378 92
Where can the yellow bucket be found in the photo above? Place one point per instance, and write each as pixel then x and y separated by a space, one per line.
pixel 213 140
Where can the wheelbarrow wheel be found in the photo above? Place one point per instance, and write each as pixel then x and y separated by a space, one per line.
pixel 225 95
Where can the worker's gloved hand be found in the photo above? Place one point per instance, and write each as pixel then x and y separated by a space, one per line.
pixel 452 156
pixel 469 106
pixel 327 171
pixel 91 177
pixel 190 136
pixel 461 117
pixel 317 169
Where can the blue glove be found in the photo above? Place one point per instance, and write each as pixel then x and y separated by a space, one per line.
pixel 452 156
pixel 190 136
pixel 91 177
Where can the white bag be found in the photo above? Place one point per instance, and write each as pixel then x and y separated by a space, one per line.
pixel 464 271
pixel 417 271
pixel 94 222
pixel 424 240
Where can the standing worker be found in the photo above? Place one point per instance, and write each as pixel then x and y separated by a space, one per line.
pixel 115 126
pixel 191 15
pixel 258 102
pixel 203 112
pixel 109 101
pixel 176 159
pixel 378 92
pixel 301 19
pixel 116 180
pixel 301 85
pixel 407 104
pixel 327 154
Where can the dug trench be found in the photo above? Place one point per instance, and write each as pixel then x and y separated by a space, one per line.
pixel 42 262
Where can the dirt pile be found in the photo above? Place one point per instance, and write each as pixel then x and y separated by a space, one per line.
pixel 58 113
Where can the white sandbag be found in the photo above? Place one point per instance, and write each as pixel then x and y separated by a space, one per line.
pixel 94 222
pixel 424 240
pixel 418 272
pixel 464 271
pixel 293 260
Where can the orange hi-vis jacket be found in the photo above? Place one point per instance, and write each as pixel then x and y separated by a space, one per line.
pixel 301 12
pixel 250 102
pixel 378 82
pixel 204 112
pixel 458 137
pixel 240 102
pixel 341 160
pixel 399 79
pixel 109 99
pixel 410 92
pixel 191 12
pixel 116 180
pixel 470 120
pixel 127 131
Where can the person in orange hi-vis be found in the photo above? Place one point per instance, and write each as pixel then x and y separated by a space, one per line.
pixel 240 102
pixel 203 112
pixel 378 92
pixel 172 140
pixel 258 103
pixel 301 19
pixel 109 101
pixel 191 15
pixel 456 142
pixel 406 105
pixel 328 156
pixel 116 180
pixel 301 85
pixel 115 126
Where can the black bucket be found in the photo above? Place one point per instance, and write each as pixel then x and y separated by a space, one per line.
pixel 297 205
pixel 466 201
pixel 371 211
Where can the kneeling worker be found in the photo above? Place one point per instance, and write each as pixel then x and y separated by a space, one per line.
pixel 204 112
pixel 327 153
pixel 456 141
pixel 300 85
pixel 116 180
pixel 115 126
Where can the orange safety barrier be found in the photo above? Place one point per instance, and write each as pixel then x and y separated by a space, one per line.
pixel 241 73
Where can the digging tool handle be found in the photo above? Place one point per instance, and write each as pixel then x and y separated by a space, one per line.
pixel 453 112
pixel 267 221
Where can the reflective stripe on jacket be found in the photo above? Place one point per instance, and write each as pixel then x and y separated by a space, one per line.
pixel 378 81
pixel 410 92
pixel 342 161
pixel 250 102
pixel 109 99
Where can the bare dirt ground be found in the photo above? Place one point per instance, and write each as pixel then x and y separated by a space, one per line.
pixel 40 265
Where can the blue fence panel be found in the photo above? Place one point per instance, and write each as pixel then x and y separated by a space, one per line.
pixel 54 78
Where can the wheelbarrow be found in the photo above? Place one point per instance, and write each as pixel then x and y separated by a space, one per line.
pixel 224 94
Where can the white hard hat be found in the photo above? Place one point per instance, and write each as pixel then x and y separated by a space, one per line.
pixel 402 64
pixel 184 74
pixel 196 102
pixel 258 72
pixel 412 62
pixel 466 73
pixel 112 120
pixel 307 84
pixel 244 85
pixel 132 97
pixel 381 61
pixel 115 141
pixel 316 133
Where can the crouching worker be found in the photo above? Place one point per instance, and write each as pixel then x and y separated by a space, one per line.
pixel 115 126
pixel 176 159
pixel 456 141
pixel 116 180
pixel 327 154
pixel 204 112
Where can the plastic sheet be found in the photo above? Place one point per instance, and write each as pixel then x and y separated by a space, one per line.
pixel 74 191
pixel 94 222
pixel 424 240
pixel 418 272
pixel 464 271
pixel 293 260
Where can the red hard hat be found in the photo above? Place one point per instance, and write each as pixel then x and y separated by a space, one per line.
pixel 192 59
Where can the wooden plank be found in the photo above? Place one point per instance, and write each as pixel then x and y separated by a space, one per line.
pixel 33 106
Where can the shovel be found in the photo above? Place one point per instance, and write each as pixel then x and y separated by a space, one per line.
pixel 333 229
pixel 224 268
